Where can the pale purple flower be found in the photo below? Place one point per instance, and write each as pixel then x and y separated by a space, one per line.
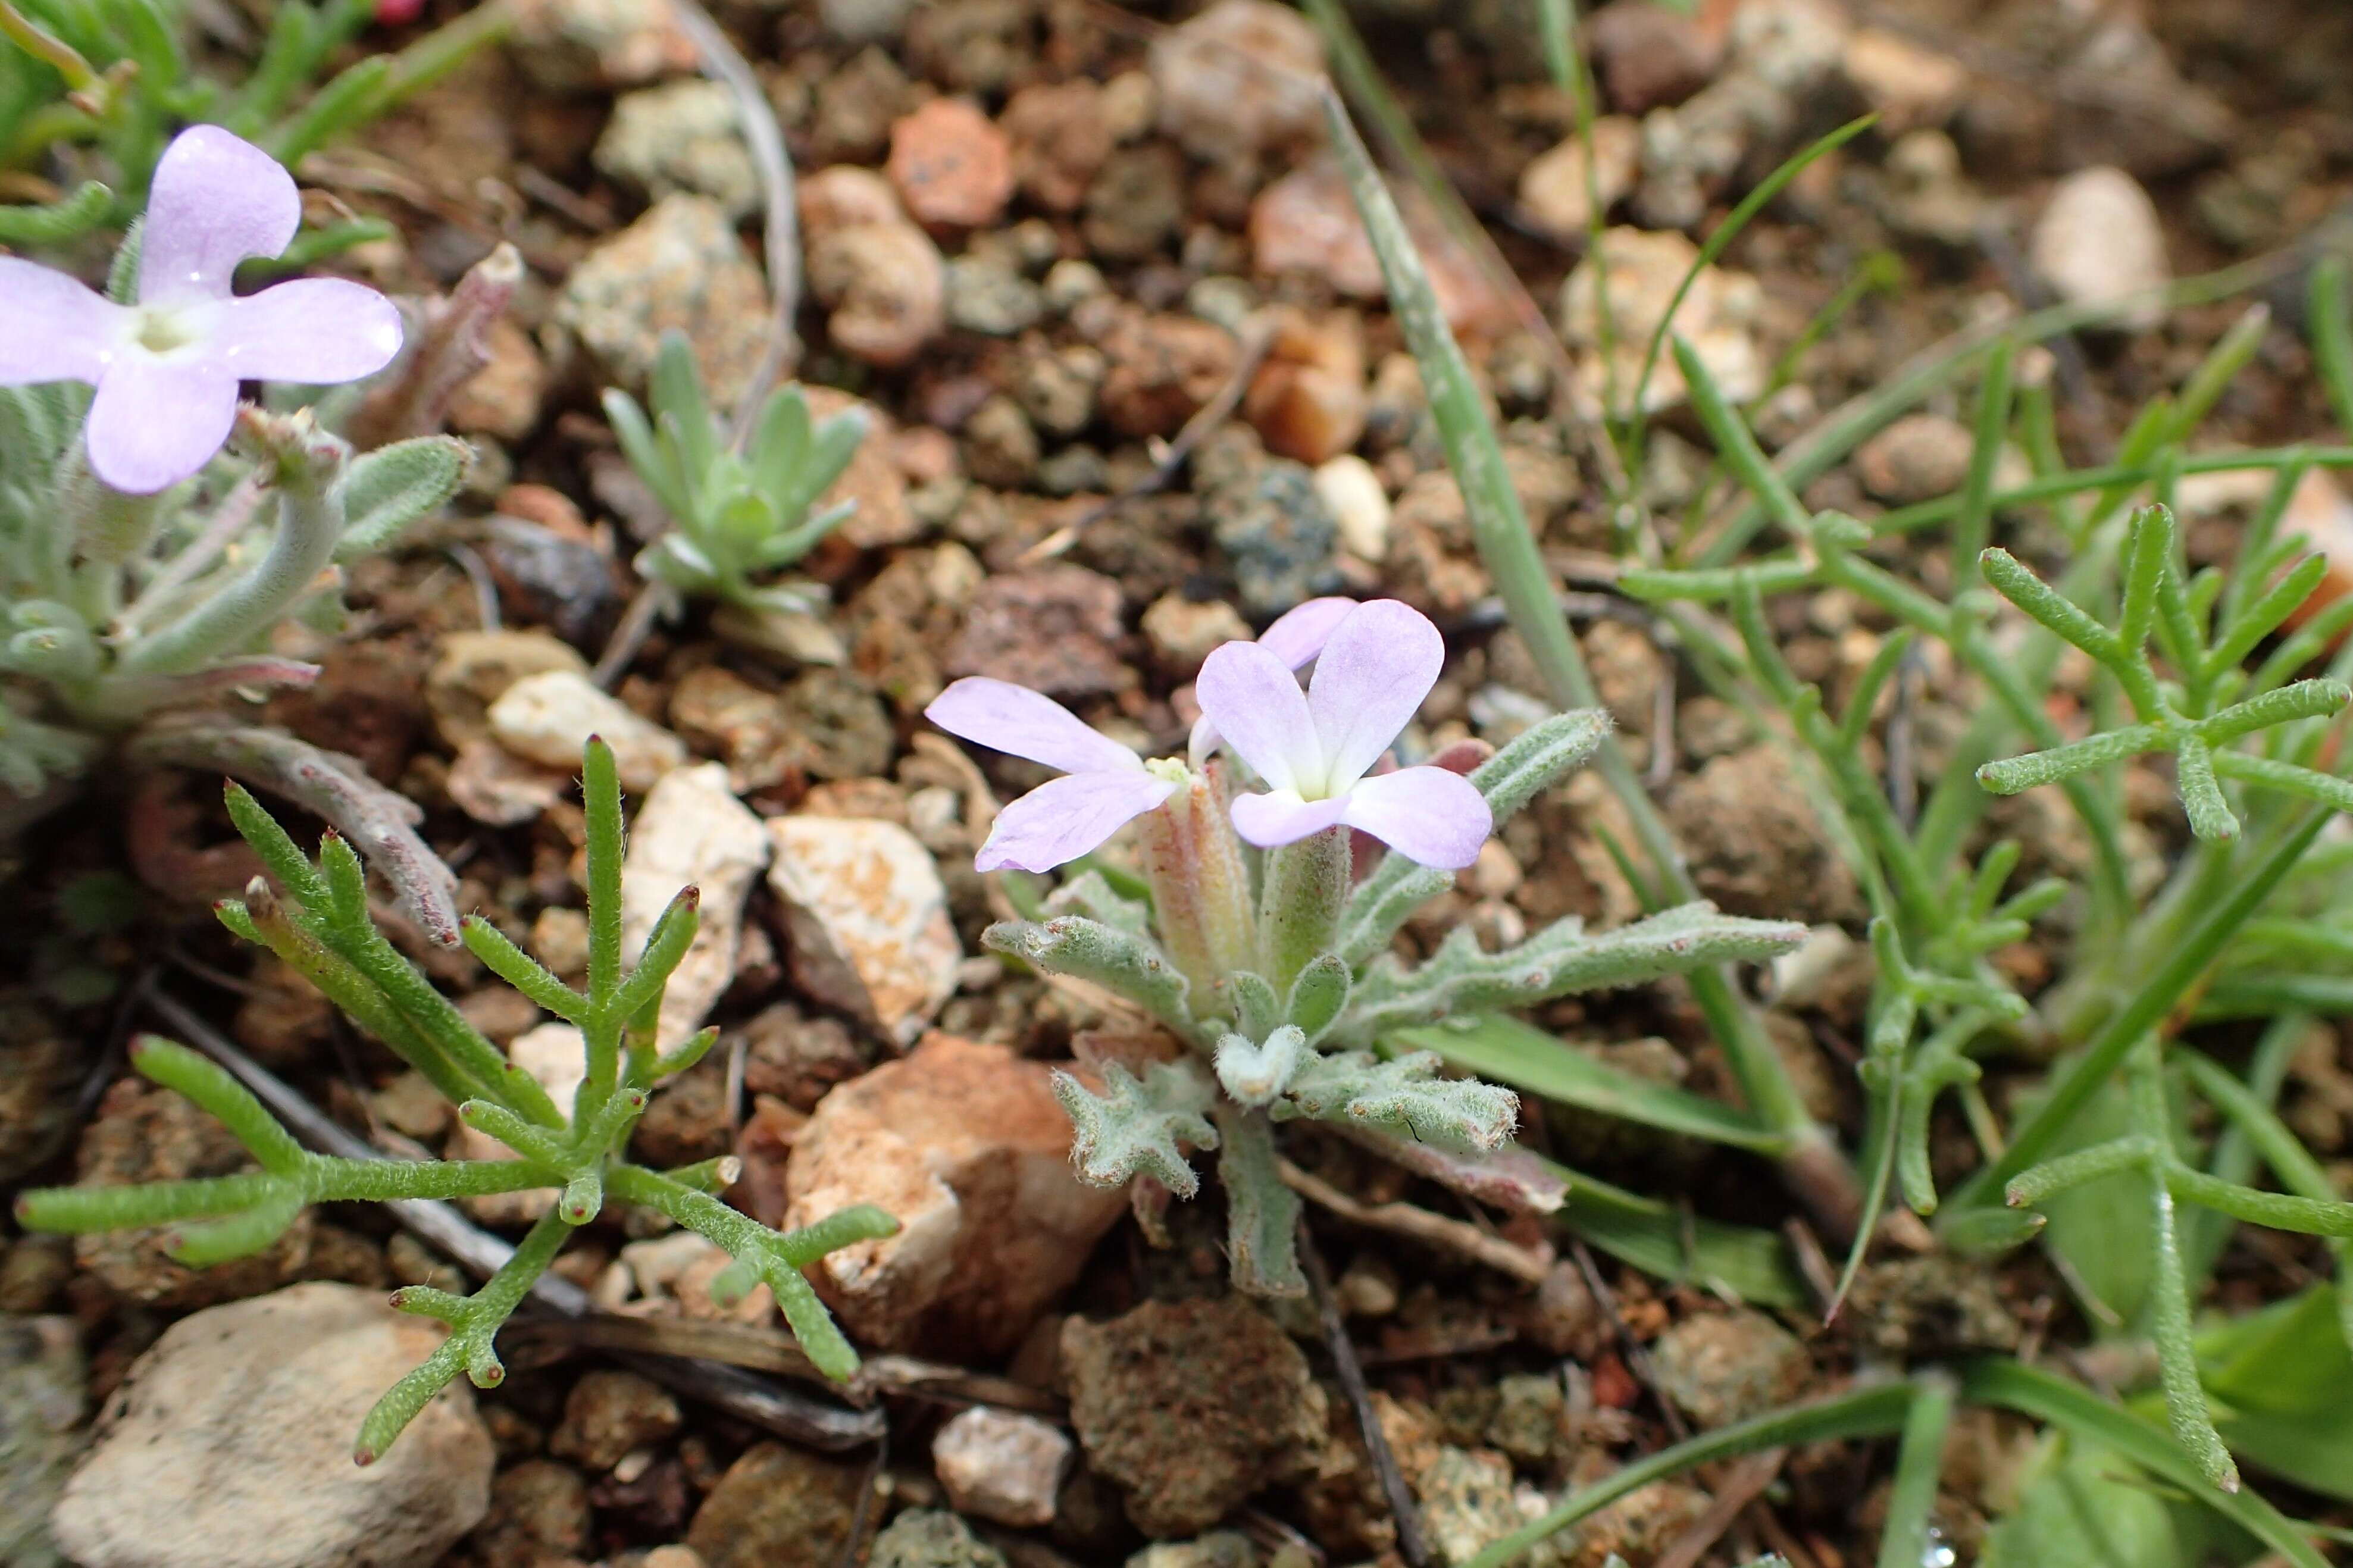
pixel 1105 785
pixel 1315 749
pixel 1297 636
pixel 166 369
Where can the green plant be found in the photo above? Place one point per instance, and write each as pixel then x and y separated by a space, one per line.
pixel 738 514
pixel 318 921
pixel 2236 673
pixel 118 76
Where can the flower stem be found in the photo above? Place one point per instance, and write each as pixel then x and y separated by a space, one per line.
pixel 1298 911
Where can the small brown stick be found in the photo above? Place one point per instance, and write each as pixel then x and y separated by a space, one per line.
pixel 1630 1349
pixel 763 1349
pixel 1258 334
pixel 781 1411
pixel 1411 1544
pixel 450 344
pixel 1529 1266
pixel 636 623
pixel 1740 1486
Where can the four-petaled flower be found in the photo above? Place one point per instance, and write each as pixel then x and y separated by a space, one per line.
pixel 1315 749
pixel 1106 786
pixel 166 369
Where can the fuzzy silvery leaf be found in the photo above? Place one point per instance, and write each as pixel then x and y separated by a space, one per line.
pixel 391 489
pixel 1118 961
pixel 1258 1074
pixel 1139 1126
pixel 1090 894
pixel 1318 996
pixel 1405 1095
pixel 1560 960
pixel 1257 1009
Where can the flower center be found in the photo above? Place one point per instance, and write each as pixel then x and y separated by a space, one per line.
pixel 159 332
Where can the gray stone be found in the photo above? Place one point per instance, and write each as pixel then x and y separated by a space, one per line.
pixel 43 1387
pixel 230 1441
pixel 680 137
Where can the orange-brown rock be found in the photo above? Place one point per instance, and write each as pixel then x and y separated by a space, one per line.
pixel 964 1144
pixel 1307 400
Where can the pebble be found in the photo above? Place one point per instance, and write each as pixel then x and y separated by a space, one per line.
pixel 610 1414
pixel 1306 222
pixel 1183 631
pixel 568 45
pixel 1060 138
pixel 2099 242
pixel 504 400
pixel 868 920
pixel 471 671
pixel 44 1386
pixel 1307 400
pixel 681 267
pixel 1239 78
pixel 1071 282
pixel 886 286
pixel 1756 845
pixel 1278 537
pixel 1717 317
pixel 1192 1406
pixel 1908 87
pixel 691 831
pixel 539 1514
pixel 230 1441
pixel 1651 55
pixel 1161 371
pixel 974 46
pixel 1000 445
pixel 1469 1501
pixel 1218 1549
pixel 779 1507
pixel 680 137
pixel 986 297
pixel 1056 629
pixel 952 166
pixel 1353 493
pixel 855 107
pixel 548 719
pixel 1926 195
pixel 1919 457
pixel 872 483
pixel 1722 1367
pixel 930 1538
pixel 1554 193
pixel 965 1145
pixel 1002 1466
pixel 844 195
pixel 1057 390
pixel 1136 202
pixel 1637 1527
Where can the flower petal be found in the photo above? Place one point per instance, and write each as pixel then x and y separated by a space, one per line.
pixel 155 421
pixel 58 329
pixel 1064 818
pixel 1254 702
pixel 216 200
pixel 1429 815
pixel 314 331
pixel 1013 718
pixel 1272 820
pixel 1298 634
pixel 1374 671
